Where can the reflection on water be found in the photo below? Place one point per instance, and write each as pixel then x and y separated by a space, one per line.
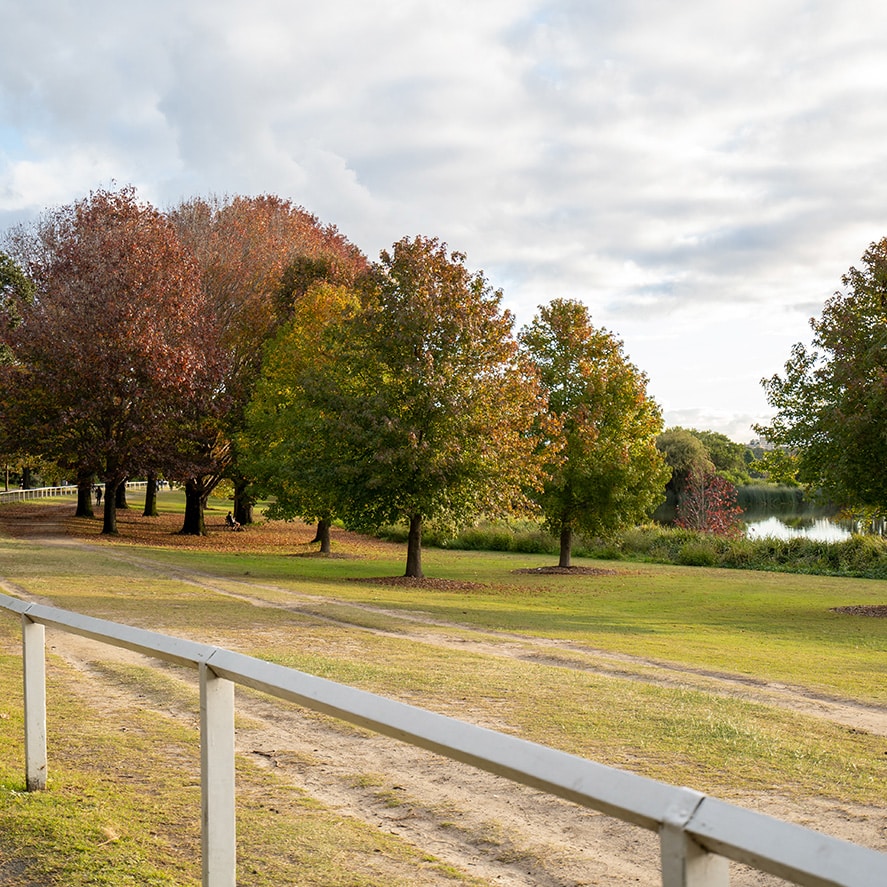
pixel 819 529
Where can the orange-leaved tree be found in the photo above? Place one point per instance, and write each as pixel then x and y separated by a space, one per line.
pixel 257 256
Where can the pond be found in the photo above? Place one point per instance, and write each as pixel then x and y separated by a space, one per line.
pixel 819 529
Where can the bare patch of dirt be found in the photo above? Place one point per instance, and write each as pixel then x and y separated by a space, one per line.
pixel 878 611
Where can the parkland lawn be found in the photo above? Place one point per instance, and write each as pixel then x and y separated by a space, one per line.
pixel 624 663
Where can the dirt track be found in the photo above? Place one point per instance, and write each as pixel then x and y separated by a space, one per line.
pixel 486 827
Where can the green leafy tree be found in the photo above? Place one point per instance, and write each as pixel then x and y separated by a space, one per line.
pixel 279 446
pixel 727 456
pixel 16 293
pixel 685 454
pixel 779 466
pixel 425 413
pixel 603 470
pixel 831 400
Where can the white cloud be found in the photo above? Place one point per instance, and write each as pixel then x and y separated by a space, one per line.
pixel 700 165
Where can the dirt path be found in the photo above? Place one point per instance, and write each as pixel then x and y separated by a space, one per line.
pixel 485 826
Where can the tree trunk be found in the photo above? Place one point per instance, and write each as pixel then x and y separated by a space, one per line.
pixel 195 502
pixel 566 546
pixel 26 478
pixel 84 495
pixel 414 548
pixel 151 496
pixel 120 495
pixel 243 502
pixel 109 525
pixel 323 535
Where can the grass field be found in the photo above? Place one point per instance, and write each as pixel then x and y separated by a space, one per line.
pixel 626 665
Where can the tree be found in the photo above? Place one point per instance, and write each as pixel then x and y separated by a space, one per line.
pixel 425 413
pixel 709 505
pixel 831 401
pixel 727 456
pixel 256 255
pixel 603 470
pixel 778 465
pixel 278 445
pixel 685 454
pixel 16 293
pixel 111 353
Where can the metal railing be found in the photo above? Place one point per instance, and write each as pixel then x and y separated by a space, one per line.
pixel 698 834
pixel 47 492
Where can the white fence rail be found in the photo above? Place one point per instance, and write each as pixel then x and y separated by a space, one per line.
pixel 698 834
pixel 47 492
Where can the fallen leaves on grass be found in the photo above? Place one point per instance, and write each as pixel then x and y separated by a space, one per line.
pixel 427 582
pixel 877 610
pixel 567 571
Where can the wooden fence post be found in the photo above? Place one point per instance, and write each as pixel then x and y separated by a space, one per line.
pixel 218 830
pixel 684 862
pixel 34 659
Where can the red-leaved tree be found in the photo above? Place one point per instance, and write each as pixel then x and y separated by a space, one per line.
pixel 114 355
pixel 708 504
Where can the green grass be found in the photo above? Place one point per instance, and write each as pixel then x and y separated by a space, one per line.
pixel 123 804
pixel 324 616
pixel 757 624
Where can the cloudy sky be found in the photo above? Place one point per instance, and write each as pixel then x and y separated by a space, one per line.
pixel 700 173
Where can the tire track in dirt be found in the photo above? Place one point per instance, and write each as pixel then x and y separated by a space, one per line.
pixel 871 718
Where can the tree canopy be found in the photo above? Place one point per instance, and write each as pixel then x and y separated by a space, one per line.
pixel 831 400
pixel 424 413
pixel 278 445
pixel 602 468
pixel 255 255
pixel 110 356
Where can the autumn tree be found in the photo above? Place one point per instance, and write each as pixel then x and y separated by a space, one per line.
pixel 111 353
pixel 425 413
pixel 831 400
pixel 603 470
pixel 708 504
pixel 256 256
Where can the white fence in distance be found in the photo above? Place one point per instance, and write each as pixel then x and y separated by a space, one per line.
pixel 698 834
pixel 52 492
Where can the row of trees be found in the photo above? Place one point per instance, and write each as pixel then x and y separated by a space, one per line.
pixel 243 339
pixel 131 338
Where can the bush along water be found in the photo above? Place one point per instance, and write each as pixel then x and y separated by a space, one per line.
pixel 859 556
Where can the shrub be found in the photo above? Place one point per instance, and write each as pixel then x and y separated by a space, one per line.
pixel 697 553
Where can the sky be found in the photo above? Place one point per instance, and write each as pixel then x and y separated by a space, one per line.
pixel 700 173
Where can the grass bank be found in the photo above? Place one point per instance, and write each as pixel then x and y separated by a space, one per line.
pixel 861 556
